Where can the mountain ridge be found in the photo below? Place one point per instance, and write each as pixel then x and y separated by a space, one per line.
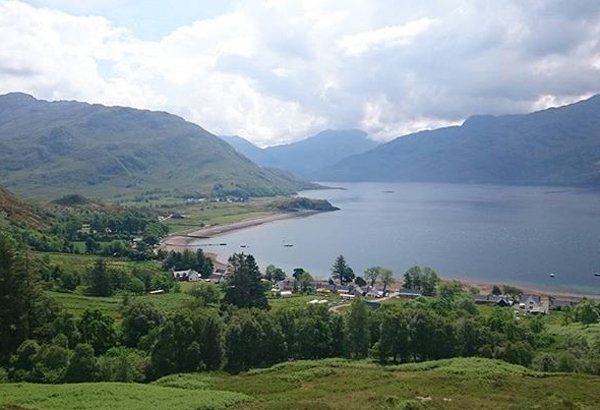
pixel 55 148
pixel 556 146
pixel 306 157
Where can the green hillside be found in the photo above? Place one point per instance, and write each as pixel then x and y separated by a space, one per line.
pixel 15 211
pixel 464 383
pixel 55 148
pixel 115 396
pixel 558 146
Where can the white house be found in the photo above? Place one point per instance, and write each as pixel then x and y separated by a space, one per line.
pixel 186 275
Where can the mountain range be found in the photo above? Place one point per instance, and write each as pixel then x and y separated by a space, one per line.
pixel 306 158
pixel 556 146
pixel 55 148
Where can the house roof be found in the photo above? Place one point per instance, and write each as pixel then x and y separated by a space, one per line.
pixel 409 292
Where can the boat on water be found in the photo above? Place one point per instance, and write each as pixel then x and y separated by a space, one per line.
pixel 597 274
pixel 552 275
pixel 388 192
pixel 243 246
pixel 288 245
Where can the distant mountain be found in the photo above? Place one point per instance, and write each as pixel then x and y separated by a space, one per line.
pixel 55 148
pixel 305 158
pixel 557 146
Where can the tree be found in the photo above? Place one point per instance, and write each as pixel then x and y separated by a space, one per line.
pixel 243 287
pixel 68 280
pixel 139 318
pixel 341 271
pixel 21 363
pixel 450 290
pixel 17 295
pixel 358 330
pixel 97 329
pixel 386 276
pixel 274 274
pixel 91 246
pixel 496 290
pixel 423 279
pixel 205 294
pixel 120 364
pixel 211 337
pixel 586 312
pixel 306 283
pixel 371 275
pixel 360 281
pixel 51 362
pixel 99 279
pixel 412 278
pixel 83 366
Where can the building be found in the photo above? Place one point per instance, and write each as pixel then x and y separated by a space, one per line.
pixel 500 300
pixel 559 304
pixel 534 304
pixel 189 275
pixel 409 293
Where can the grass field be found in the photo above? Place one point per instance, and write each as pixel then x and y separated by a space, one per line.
pixel 446 384
pixel 219 213
pixel 77 304
pixel 462 383
pixel 82 262
pixel 114 396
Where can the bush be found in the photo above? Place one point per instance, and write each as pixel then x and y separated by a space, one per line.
pixel 544 362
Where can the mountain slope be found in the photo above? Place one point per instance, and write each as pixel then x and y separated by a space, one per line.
pixel 558 146
pixel 304 158
pixel 18 212
pixel 52 148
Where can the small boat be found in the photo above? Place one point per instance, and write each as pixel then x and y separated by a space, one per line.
pixel 388 192
pixel 597 274
pixel 243 246
pixel 222 244
pixel 288 245
pixel 552 275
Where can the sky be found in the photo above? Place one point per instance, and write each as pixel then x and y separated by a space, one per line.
pixel 277 71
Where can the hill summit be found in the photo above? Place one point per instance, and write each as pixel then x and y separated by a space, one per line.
pixel 55 148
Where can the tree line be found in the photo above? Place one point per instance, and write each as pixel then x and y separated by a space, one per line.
pixel 231 327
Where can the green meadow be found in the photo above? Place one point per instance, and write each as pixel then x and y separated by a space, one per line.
pixel 461 383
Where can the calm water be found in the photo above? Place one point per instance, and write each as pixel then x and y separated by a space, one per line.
pixel 493 233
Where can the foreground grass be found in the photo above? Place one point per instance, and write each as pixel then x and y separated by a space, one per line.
pixel 465 383
pixel 462 383
pixel 115 396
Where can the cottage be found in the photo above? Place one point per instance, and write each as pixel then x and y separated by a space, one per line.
pixel 534 304
pixel 189 275
pixel 560 304
pixel 409 293
pixel 500 300
pixel 217 277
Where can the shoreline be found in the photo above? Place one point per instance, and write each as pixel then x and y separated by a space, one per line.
pixel 181 240
pixel 486 288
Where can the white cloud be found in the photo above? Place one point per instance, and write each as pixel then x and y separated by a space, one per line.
pixel 393 36
pixel 281 70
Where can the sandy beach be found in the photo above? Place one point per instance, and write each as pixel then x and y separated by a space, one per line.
pixel 182 240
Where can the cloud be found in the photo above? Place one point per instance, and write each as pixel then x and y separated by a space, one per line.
pixel 393 36
pixel 279 71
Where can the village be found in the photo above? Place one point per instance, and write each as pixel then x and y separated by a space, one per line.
pixel 323 290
